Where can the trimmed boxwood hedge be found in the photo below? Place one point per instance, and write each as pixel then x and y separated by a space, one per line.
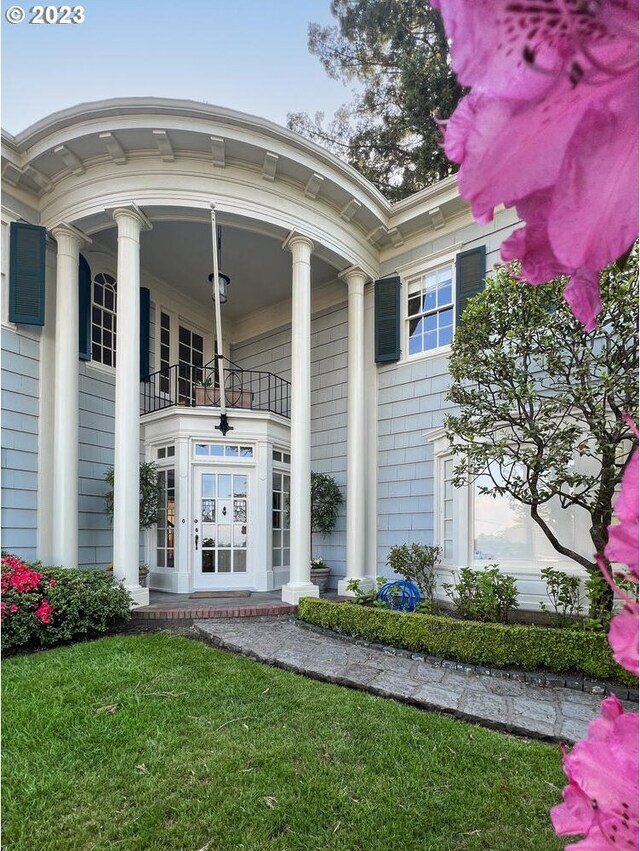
pixel 493 644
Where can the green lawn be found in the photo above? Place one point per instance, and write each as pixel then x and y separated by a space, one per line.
pixel 159 742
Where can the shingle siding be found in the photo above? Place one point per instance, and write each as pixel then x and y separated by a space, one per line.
pixel 20 386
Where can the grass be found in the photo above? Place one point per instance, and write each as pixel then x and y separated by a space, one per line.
pixel 160 743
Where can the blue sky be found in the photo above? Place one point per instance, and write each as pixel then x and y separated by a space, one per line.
pixel 249 55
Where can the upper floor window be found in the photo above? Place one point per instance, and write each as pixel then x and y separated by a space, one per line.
pixel 430 311
pixel 103 319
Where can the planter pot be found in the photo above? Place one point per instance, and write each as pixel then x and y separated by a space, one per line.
pixel 210 396
pixel 320 577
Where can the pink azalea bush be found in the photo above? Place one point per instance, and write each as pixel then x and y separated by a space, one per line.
pixel 551 128
pixel 43 606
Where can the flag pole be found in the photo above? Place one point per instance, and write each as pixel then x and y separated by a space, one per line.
pixel 223 426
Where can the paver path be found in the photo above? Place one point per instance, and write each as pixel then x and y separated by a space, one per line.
pixel 556 714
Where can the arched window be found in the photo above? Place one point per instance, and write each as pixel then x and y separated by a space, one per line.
pixel 103 319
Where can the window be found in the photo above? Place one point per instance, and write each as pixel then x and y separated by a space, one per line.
pixel 430 311
pixel 165 352
pixel 476 529
pixel 222 450
pixel 103 320
pixel 165 528
pixel 280 552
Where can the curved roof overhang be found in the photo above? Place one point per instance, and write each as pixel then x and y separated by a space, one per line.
pixel 176 157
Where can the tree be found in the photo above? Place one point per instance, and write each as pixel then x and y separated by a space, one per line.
pixel 398 51
pixel 536 391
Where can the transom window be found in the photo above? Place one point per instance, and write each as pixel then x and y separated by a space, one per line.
pixel 222 450
pixel 430 312
pixel 103 319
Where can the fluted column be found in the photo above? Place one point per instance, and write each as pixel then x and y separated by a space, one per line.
pixel 126 491
pixel 66 401
pixel 356 434
pixel 299 584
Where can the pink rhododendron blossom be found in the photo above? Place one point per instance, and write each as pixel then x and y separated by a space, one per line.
pixel 601 800
pixel 44 611
pixel 623 637
pixel 623 538
pixel 550 128
pixel 13 608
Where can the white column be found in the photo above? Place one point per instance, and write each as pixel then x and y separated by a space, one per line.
pixel 64 508
pixel 299 584
pixel 126 491
pixel 356 433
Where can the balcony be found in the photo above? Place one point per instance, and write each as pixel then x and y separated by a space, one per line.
pixel 197 386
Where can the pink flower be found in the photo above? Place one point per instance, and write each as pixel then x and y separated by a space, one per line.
pixel 623 538
pixel 53 583
pixel 623 637
pixel 13 608
pixel 601 800
pixel 553 109
pixel 44 611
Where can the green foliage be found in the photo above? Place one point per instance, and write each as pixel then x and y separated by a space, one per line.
pixel 417 563
pixel 366 597
pixel 326 499
pixel 563 592
pixel 483 595
pixel 85 603
pixel 160 743
pixel 151 494
pixel 599 593
pixel 541 401
pixel 397 50
pixel 498 645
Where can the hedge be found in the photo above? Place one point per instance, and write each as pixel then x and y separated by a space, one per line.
pixel 492 644
pixel 44 606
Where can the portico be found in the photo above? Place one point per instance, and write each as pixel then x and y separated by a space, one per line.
pixel 270 190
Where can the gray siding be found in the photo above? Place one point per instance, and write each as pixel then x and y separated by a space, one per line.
pixel 272 352
pixel 20 386
pixel 97 409
pixel 412 400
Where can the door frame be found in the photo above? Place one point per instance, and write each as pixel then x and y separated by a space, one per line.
pixel 221 581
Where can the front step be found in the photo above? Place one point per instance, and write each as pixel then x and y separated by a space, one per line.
pixel 185 616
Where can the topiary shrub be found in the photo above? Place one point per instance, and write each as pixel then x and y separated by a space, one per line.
pixel 494 644
pixel 151 494
pixel 44 606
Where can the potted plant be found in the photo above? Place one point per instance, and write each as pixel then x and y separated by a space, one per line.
pixel 151 497
pixel 326 499
pixel 143 573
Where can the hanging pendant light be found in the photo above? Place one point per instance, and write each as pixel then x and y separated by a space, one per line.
pixel 223 280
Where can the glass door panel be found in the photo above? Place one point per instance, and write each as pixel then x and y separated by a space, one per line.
pixel 220 537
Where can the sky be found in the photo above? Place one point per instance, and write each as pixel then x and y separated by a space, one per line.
pixel 249 55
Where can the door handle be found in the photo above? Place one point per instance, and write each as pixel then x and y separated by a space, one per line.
pixel 197 539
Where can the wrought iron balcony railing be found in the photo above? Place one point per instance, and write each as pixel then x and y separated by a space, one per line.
pixel 195 386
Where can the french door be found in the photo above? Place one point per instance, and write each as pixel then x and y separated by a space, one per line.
pixel 220 532
pixel 190 362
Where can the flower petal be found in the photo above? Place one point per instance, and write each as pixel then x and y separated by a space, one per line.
pixel 582 294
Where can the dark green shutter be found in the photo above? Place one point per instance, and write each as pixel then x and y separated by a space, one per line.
pixel 470 272
pixel 387 320
pixel 27 261
pixel 145 308
pixel 84 309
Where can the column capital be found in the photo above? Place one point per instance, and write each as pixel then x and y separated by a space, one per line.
pixel 296 240
pixel 354 276
pixel 69 237
pixel 130 219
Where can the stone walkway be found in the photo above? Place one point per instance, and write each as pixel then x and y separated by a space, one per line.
pixel 553 714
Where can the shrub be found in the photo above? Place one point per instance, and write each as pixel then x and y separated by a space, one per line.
pixel 151 494
pixel 483 595
pixel 416 562
pixel 563 592
pixel 499 645
pixel 43 606
pixel 364 597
